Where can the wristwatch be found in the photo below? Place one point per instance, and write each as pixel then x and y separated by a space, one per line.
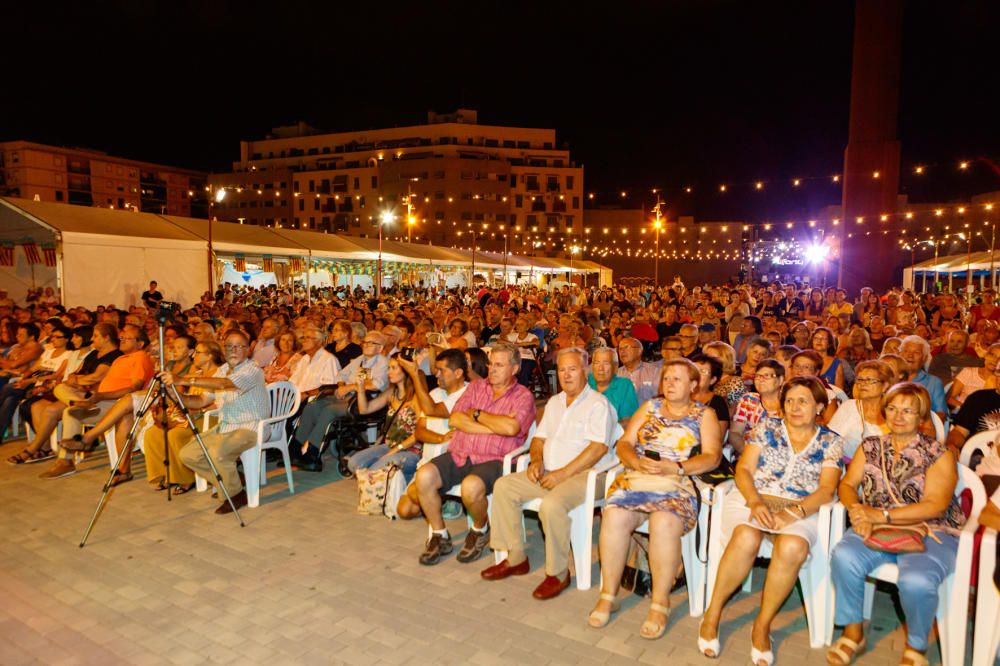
pixel 475 415
pixel 680 469
pixel 885 514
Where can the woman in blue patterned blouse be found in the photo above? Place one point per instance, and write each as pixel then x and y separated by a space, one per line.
pixel 790 467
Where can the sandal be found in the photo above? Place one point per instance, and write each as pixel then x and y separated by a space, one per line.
pixel 653 630
pixel 180 490
pixel 914 658
pixel 21 457
pixel 120 478
pixel 706 645
pixel 599 619
pixel 836 654
pixel 765 656
pixel 42 456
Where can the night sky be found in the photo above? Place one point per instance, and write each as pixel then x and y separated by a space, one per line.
pixel 645 94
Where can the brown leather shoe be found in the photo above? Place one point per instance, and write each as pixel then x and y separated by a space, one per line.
pixel 550 587
pixel 239 499
pixel 503 570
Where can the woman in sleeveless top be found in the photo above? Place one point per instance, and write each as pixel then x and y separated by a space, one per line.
pixel 657 453
pixel 905 478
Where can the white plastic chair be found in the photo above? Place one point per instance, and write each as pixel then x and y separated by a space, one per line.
pixel 953 593
pixel 814 575
pixel 986 636
pixel 284 399
pixel 940 428
pixel 695 550
pixel 978 442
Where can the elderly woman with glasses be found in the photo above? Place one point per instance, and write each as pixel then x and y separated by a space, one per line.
pixel 904 478
pixel 861 416
pixel 789 468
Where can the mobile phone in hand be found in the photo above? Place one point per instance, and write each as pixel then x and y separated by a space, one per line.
pixel 652 455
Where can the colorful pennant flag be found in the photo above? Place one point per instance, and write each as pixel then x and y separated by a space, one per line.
pixel 267 264
pixel 6 255
pixel 240 263
pixel 297 264
pixel 50 256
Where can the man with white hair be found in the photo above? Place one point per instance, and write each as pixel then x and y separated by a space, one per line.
pixel 619 391
pixel 575 435
pixel 325 409
pixel 916 351
pixel 317 367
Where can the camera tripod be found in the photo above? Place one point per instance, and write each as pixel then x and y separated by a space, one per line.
pixel 161 392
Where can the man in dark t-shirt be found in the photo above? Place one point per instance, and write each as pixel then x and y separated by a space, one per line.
pixel 979 412
pixel 152 297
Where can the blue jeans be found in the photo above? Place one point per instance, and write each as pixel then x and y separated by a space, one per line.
pixel 377 457
pixel 920 574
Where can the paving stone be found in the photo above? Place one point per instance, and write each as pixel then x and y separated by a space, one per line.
pixel 310 581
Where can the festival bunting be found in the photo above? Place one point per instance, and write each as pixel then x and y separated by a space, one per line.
pixel 240 263
pixel 6 255
pixel 31 252
pixel 298 265
pixel 49 254
pixel 267 264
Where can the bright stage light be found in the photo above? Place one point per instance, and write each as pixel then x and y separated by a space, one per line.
pixel 816 253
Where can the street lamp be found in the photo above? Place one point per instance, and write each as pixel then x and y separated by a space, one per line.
pixel 657 225
pixel 386 218
pixel 573 251
pixel 220 196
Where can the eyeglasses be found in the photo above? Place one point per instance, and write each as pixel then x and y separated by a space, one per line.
pixel 759 376
pixel 905 411
pixel 369 342
pixel 867 382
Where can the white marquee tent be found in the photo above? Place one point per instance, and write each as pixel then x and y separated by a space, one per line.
pixel 104 256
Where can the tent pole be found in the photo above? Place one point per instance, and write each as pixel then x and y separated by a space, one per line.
pixel 60 277
pixel 308 271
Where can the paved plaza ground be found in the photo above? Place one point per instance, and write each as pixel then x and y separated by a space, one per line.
pixel 307 581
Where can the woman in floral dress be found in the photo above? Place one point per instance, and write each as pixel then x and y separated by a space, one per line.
pixel 656 451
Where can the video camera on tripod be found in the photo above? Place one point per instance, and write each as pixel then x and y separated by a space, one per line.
pixel 166 312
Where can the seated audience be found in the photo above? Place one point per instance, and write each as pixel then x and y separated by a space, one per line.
pixel 491 418
pixel 904 478
pixel 656 452
pixel 574 435
pixel 243 400
pixel 789 468
pixel 400 445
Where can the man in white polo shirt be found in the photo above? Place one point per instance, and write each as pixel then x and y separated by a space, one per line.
pixel 575 434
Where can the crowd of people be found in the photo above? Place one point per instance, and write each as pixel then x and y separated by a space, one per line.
pixel 784 385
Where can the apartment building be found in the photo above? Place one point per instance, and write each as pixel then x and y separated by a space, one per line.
pixel 428 182
pixel 92 178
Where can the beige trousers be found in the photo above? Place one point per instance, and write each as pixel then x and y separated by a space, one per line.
pixel 511 491
pixel 225 449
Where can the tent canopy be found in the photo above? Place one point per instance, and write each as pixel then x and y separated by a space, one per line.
pixel 127 249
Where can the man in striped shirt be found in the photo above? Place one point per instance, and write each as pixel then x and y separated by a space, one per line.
pixel 242 396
